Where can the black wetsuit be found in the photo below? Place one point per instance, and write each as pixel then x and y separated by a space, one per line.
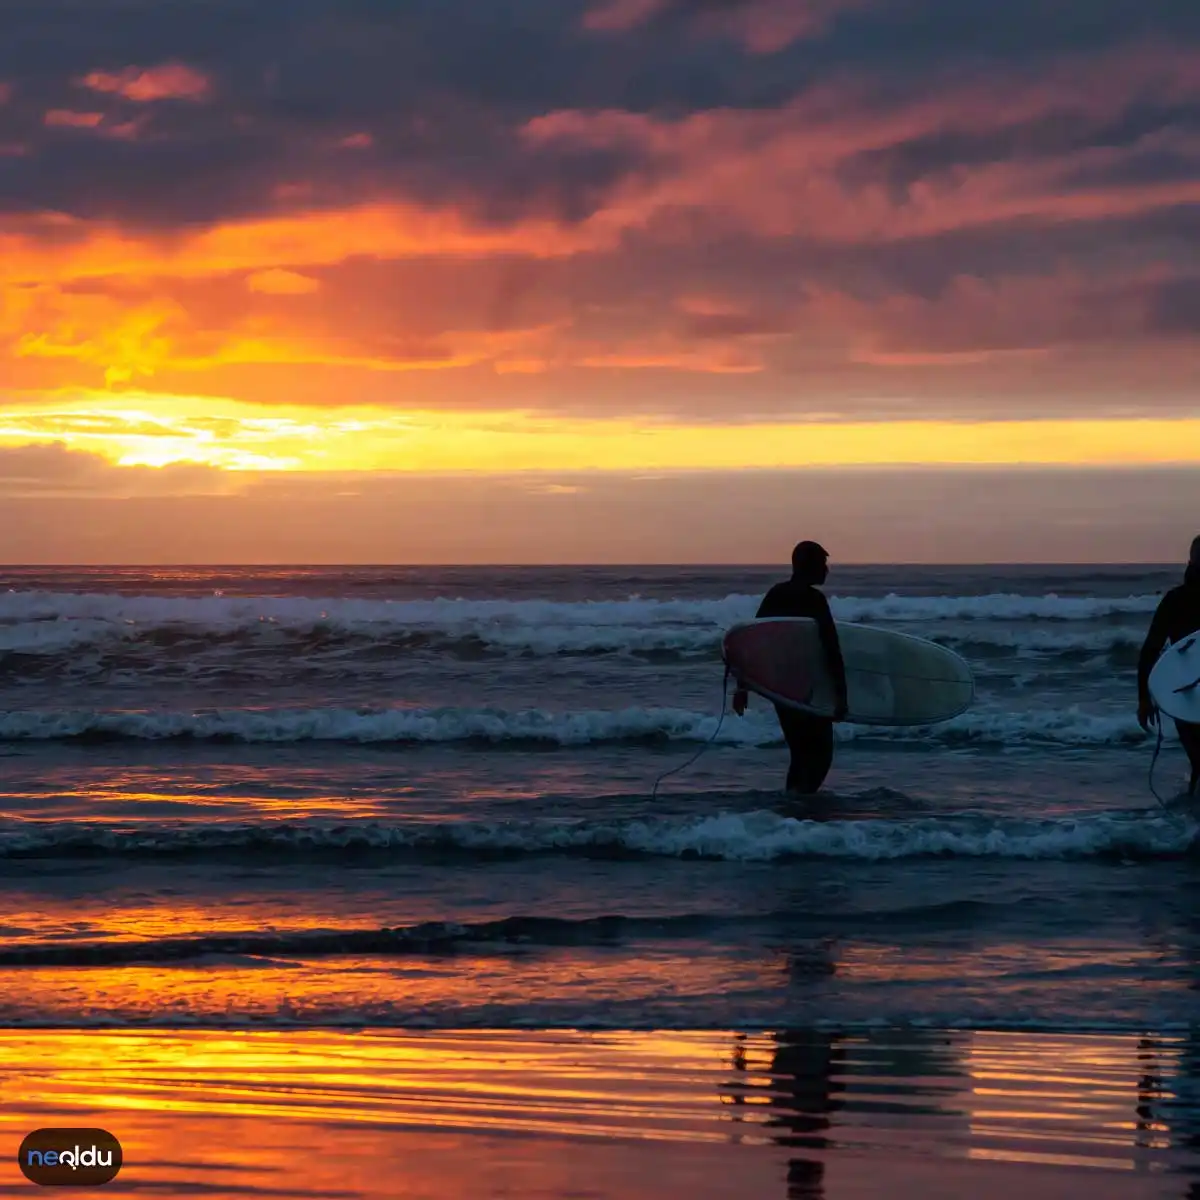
pixel 1178 615
pixel 809 738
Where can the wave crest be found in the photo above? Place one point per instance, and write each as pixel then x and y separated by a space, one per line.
pixel 536 727
pixel 760 836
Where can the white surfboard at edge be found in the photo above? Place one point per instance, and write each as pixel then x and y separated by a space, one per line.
pixel 1172 678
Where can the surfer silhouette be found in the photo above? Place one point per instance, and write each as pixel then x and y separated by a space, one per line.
pixel 1178 614
pixel 809 738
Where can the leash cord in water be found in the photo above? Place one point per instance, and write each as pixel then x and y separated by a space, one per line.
pixel 1157 748
pixel 713 738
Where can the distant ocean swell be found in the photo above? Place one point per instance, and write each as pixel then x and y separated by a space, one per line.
pixel 106 638
pixel 537 728
pixel 438 937
pixel 759 836
pixel 220 611
pixel 80 645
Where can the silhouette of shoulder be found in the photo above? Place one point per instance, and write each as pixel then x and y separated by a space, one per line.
pixel 792 599
pixel 1179 611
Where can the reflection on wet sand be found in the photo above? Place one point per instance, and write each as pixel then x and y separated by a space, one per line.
pixel 1115 1104
pixel 798 1114
pixel 808 1066
pixel 814 1091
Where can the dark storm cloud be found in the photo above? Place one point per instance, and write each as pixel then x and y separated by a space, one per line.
pixel 788 272
pixel 1175 307
pixel 443 86
pixel 1143 166
pixel 321 60
pixel 1048 137
pixel 439 88
pixel 908 37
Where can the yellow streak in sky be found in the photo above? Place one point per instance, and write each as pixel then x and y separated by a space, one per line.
pixel 145 430
pixel 90 250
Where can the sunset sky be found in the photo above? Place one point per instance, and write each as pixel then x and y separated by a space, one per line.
pixel 597 280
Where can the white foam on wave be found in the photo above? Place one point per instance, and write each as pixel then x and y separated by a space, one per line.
pixel 46 623
pixel 760 836
pixel 1067 727
pixel 376 725
pixel 220 611
pixel 765 836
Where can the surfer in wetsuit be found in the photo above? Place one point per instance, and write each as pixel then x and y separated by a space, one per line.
pixel 809 738
pixel 1178 615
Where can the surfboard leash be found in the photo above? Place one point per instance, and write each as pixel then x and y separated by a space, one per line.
pixel 713 738
pixel 1157 747
pixel 1158 743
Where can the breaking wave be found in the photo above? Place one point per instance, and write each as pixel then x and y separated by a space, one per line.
pixel 536 727
pixel 760 836
pixel 82 637
pixel 32 620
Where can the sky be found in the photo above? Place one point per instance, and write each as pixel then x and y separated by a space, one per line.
pixel 599 280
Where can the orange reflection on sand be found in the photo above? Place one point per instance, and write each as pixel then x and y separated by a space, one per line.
pixel 1044 1098
pixel 1010 966
pixel 400 987
pixel 106 919
pixel 492 1081
pixel 101 805
pixel 633 1114
pixel 378 1115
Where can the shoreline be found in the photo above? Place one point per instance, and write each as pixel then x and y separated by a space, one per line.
pixel 798 1113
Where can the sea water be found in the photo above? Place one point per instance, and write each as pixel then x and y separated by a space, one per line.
pixel 403 797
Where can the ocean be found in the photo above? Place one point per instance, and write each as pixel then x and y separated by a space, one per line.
pixel 418 802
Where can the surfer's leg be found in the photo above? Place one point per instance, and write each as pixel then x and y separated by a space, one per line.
pixel 1189 735
pixel 790 722
pixel 816 753
pixel 810 741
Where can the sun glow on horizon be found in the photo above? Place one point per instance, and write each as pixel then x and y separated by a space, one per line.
pixel 139 429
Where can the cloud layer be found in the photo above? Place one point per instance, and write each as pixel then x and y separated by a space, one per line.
pixel 709 210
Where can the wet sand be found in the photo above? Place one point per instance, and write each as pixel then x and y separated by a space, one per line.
pixel 801 1113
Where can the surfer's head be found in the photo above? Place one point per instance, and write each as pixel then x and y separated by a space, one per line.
pixel 810 562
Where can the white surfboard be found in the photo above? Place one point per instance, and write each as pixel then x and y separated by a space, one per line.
pixel 1175 680
pixel 891 678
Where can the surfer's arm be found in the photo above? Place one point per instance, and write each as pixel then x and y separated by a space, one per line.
pixel 1152 647
pixel 827 631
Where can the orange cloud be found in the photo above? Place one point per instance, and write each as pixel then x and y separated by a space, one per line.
pixel 666 353
pixel 617 16
pixel 772 173
pixel 777 172
pixel 70 119
pixel 55 248
pixel 278 282
pixel 767 26
pixel 128 131
pixel 126 339
pixel 122 341
pixel 602 291
pixel 762 26
pixel 6 91
pixel 975 320
pixel 171 81
pixel 357 141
